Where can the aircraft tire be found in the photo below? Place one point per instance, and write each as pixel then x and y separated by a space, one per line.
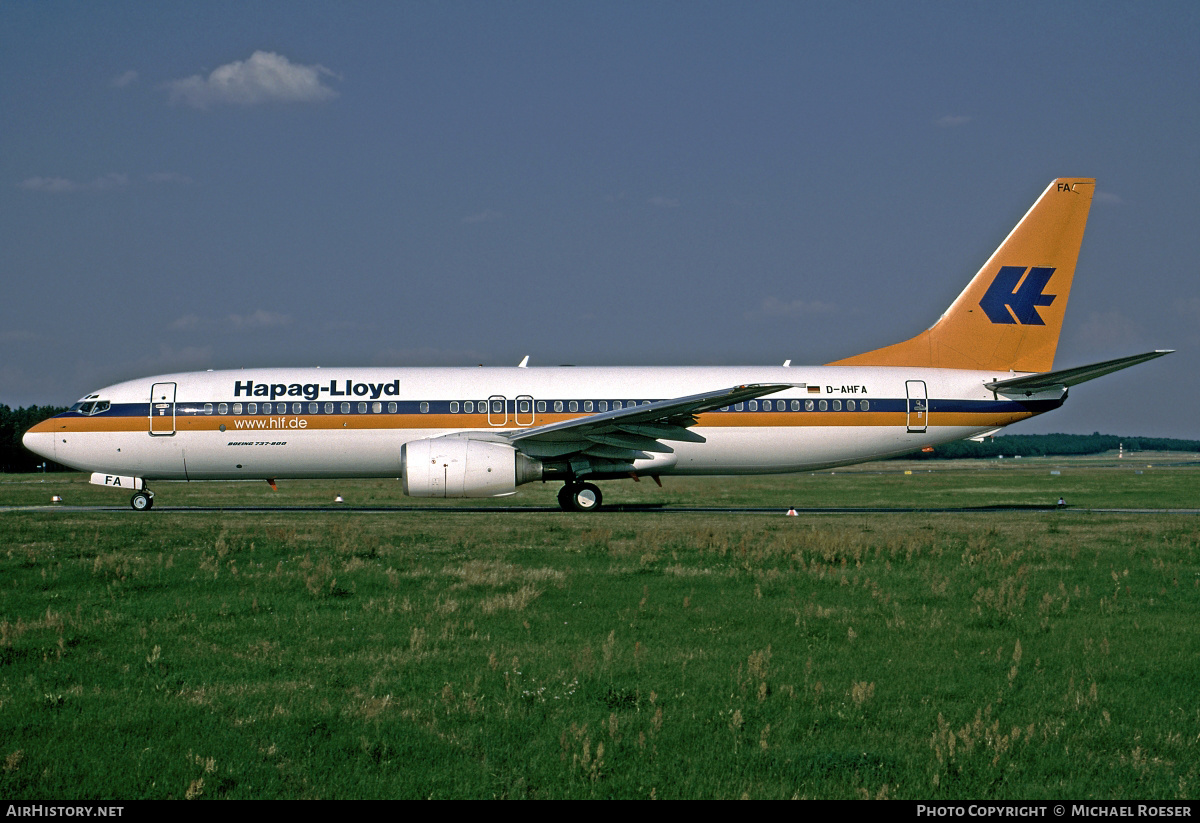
pixel 585 498
pixel 141 502
pixel 564 497
pixel 579 497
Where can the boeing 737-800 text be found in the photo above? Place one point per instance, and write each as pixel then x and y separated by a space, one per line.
pixel 482 432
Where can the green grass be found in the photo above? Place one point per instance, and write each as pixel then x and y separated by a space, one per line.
pixel 1018 654
pixel 1143 480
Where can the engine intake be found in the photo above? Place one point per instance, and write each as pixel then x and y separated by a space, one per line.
pixel 458 467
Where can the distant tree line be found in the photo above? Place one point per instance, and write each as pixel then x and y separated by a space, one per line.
pixel 13 424
pixel 1042 445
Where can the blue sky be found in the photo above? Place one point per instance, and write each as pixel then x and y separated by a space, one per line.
pixel 217 185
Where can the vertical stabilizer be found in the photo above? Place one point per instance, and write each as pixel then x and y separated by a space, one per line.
pixel 1010 315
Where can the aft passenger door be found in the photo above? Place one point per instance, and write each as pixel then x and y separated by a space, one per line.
pixel 523 412
pixel 918 405
pixel 162 409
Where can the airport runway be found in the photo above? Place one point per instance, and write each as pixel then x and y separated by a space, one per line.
pixel 645 508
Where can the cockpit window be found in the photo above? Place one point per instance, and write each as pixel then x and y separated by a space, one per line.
pixel 92 407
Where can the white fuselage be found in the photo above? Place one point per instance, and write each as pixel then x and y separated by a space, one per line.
pixel 352 422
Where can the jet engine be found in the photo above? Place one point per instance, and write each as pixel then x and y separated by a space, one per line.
pixel 459 467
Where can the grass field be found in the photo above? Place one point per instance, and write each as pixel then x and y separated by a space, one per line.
pixel 964 654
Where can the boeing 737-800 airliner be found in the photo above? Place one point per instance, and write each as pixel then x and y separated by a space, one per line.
pixel 482 432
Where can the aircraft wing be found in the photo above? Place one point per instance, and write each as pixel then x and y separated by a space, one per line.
pixel 632 433
pixel 1064 378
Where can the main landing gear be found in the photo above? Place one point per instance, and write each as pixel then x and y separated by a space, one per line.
pixel 142 501
pixel 579 497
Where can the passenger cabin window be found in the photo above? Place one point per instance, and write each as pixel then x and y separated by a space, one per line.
pixel 587 405
pixel 766 405
pixel 362 408
pixel 603 404
pixel 392 408
pixel 469 407
pixel 808 405
pixel 345 408
pixel 297 408
pixel 313 408
pixel 541 406
pixel 329 408
pixel 823 405
pixel 424 407
pixel 573 405
pixel 223 408
pixel 795 405
pixel 266 408
pixel 251 408
pixel 837 405
pixel 558 406
pixel 866 405
pixel 237 408
pixel 753 405
pixel 617 404
pixel 208 408
pixel 376 407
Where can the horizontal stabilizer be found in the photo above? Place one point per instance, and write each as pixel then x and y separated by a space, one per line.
pixel 1069 377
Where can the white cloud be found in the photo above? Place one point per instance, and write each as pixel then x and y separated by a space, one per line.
pixel 124 79
pixel 111 181
pixel 53 185
pixel 189 322
pixel 265 77
pixel 951 121
pixel 1108 198
pixel 774 307
pixel 261 319
pixel 59 185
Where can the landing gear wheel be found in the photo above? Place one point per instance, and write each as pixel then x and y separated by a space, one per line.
pixel 564 497
pixel 579 497
pixel 142 501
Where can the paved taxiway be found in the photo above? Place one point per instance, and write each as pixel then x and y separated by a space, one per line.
pixel 649 508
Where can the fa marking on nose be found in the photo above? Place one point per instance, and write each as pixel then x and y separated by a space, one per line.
pixel 1005 302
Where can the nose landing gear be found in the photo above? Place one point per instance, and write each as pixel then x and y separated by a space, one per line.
pixel 142 501
pixel 579 497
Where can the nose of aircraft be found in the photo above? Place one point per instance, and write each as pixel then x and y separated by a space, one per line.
pixel 40 443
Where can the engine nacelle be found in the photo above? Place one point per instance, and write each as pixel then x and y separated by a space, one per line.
pixel 459 467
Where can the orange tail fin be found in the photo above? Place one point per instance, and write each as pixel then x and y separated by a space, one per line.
pixel 1010 315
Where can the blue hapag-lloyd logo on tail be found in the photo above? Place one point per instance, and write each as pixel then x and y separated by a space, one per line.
pixel 1003 295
